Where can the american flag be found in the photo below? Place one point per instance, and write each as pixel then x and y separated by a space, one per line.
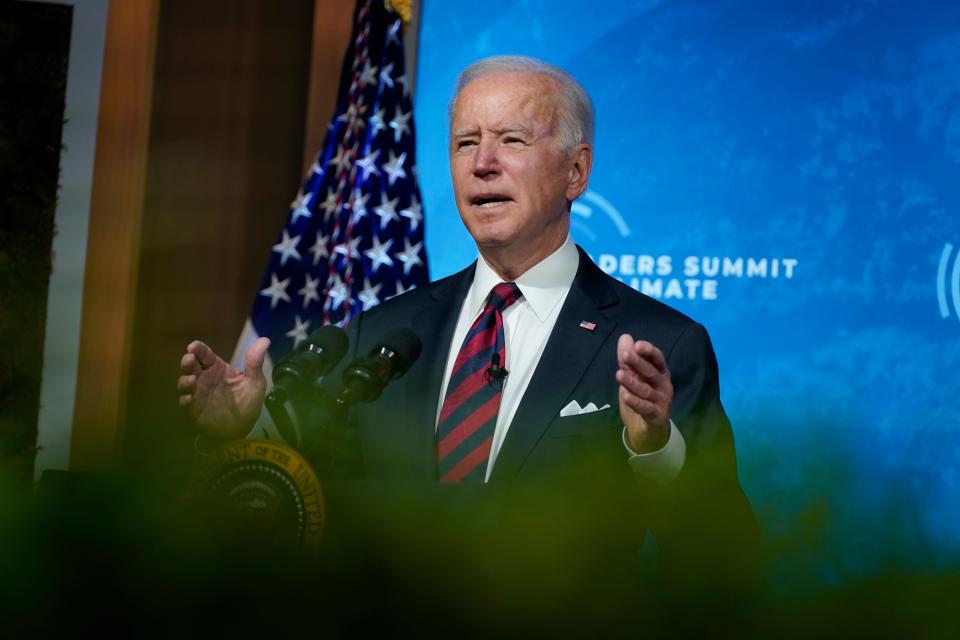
pixel 354 236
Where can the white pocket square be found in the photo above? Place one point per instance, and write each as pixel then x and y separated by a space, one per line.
pixel 574 409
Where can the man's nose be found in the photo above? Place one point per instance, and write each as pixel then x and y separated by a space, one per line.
pixel 485 161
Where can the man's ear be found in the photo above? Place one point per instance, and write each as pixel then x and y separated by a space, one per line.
pixel 579 173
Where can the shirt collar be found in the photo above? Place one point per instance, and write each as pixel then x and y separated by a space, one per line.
pixel 542 285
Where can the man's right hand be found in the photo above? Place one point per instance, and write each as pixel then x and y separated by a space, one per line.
pixel 223 402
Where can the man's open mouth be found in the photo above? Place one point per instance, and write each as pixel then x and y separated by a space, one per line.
pixel 489 200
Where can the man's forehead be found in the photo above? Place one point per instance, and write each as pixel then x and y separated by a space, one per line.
pixel 495 81
pixel 525 92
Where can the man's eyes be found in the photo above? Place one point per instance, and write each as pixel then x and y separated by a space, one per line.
pixel 508 140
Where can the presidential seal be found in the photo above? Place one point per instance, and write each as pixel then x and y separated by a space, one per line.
pixel 265 489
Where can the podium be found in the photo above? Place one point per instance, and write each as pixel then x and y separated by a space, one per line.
pixel 422 556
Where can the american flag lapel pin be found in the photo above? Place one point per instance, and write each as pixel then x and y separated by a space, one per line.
pixel 589 326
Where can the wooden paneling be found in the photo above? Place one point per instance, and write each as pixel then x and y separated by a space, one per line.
pixel 226 145
pixel 116 210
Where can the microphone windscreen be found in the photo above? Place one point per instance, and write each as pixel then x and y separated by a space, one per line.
pixel 406 346
pixel 330 341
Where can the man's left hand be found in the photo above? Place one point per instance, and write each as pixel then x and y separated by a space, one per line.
pixel 645 394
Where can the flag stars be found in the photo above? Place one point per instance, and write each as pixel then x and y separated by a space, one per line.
pixel 299 331
pixel 337 293
pixel 394 167
pixel 341 161
pixel 379 254
pixel 319 248
pixel 359 205
pixel 376 122
pixel 309 290
pixel 400 123
pixel 387 210
pixel 354 114
pixel 300 206
pixel 277 290
pixel 316 169
pixel 329 205
pixel 369 295
pixel 287 248
pixel 349 248
pixel 354 177
pixel 349 115
pixel 368 75
pixel 410 256
pixel 393 33
pixel 386 75
pixel 413 213
pixel 369 163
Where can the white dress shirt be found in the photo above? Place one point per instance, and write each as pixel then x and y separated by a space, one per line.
pixel 529 322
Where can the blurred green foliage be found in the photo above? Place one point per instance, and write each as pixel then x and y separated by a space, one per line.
pixel 122 554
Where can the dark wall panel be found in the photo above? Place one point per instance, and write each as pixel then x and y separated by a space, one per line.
pixel 34 44
pixel 226 145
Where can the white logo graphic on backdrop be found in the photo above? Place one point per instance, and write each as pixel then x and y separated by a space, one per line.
pixel 954 281
pixel 584 208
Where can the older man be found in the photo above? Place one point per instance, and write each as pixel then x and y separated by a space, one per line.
pixel 538 369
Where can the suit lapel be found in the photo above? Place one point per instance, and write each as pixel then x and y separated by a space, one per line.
pixel 569 352
pixel 434 324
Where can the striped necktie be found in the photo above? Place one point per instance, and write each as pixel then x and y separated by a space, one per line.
pixel 469 413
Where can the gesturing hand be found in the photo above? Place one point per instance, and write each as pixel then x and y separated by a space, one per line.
pixel 645 394
pixel 222 401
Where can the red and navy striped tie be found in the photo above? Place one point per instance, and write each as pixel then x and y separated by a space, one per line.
pixel 469 414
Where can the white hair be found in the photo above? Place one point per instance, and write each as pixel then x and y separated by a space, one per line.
pixel 575 117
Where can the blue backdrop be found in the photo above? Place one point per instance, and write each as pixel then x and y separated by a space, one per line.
pixel 788 175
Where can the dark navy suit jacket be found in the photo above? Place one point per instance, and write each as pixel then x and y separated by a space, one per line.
pixel 567 479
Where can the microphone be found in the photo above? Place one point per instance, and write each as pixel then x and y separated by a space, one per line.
pixel 315 357
pixel 365 378
pixel 495 371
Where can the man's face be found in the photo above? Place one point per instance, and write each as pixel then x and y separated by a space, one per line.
pixel 511 179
